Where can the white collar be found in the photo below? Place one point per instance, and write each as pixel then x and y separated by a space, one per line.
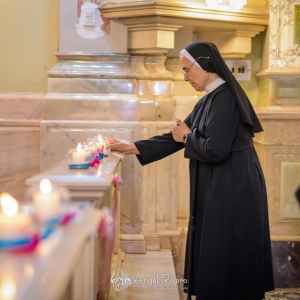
pixel 212 86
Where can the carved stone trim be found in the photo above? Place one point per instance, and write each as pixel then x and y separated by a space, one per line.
pixel 92 65
pixel 280 72
pixel 191 11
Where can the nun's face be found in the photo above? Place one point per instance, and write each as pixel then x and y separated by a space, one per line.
pixel 197 78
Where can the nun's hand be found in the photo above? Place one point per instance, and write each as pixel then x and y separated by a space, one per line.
pixel 179 130
pixel 125 148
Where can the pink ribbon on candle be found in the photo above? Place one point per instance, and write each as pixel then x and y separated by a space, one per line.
pixel 107 231
pixel 67 218
pixel 117 181
pixel 36 238
pixel 29 247
pixel 95 162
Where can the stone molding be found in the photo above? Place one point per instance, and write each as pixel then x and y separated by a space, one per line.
pixel 188 11
pixel 151 25
pixel 92 65
pixel 280 72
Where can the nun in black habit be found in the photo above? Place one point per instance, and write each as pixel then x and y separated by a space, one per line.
pixel 228 253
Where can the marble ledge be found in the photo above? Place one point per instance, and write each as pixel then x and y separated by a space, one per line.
pixel 280 72
pixel 285 238
pixel 22 122
pixel 90 96
pixel 26 106
pixel 278 112
pixel 275 143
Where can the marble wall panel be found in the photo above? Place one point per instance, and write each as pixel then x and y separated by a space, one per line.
pixel 20 115
pixel 289 183
pixel 19 155
pixel 58 137
pixel 148 184
pixel 279 152
pixel 166 186
pixel 89 85
pixel 283 51
pixel 21 106
pixel 91 107
pixel 164 108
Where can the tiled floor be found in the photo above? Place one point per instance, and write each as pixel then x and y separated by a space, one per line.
pixel 152 277
pixel 284 294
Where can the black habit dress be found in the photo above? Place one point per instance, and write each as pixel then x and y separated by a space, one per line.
pixel 231 244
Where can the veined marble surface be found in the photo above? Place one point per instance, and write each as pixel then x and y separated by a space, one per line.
pixel 20 117
pixel 92 65
pixel 283 51
pixel 68 106
pixel 155 65
pixel 279 145
pixel 92 85
pixel 21 106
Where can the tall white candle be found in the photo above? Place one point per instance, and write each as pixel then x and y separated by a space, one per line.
pixel 12 223
pixel 78 157
pixel 46 202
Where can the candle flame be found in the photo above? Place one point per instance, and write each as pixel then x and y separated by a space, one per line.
pixel 45 186
pixel 100 138
pixel 7 289
pixel 9 205
pixel 79 148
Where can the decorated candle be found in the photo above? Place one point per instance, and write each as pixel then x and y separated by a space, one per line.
pixel 78 157
pixel 13 224
pixel 46 202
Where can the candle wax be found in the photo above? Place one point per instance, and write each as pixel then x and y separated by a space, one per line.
pixel 78 157
pixel 46 205
pixel 14 227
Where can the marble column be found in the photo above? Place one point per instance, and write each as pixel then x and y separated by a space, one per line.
pixel 279 145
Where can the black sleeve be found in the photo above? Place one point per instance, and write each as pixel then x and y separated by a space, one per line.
pixel 221 126
pixel 157 148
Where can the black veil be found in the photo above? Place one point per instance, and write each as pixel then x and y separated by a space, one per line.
pixel 213 62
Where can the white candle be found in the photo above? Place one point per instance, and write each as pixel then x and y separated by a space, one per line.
pixel 78 157
pixel 102 144
pixel 12 223
pixel 46 202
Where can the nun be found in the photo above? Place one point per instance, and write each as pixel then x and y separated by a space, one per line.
pixel 228 251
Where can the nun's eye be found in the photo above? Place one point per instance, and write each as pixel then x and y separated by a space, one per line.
pixel 187 70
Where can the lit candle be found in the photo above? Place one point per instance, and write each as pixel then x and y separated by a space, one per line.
pixel 102 144
pixel 78 157
pixel 13 224
pixel 46 202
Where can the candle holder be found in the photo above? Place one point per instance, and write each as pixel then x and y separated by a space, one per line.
pixel 102 144
pixel 47 202
pixel 80 158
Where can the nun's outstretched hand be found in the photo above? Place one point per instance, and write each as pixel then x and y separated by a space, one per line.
pixel 179 130
pixel 124 148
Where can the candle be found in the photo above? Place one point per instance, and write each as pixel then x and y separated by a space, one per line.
pixel 46 202
pixel 78 157
pixel 102 144
pixel 13 224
